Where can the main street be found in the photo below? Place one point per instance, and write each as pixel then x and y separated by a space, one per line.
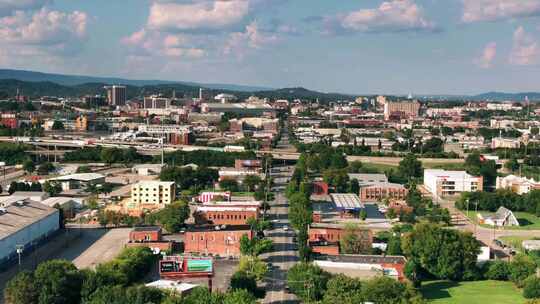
pixel 284 254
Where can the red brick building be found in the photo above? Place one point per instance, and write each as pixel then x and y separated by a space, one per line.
pixel 215 240
pixel 145 234
pixel 150 237
pixel 320 188
pixel 324 238
pixel 380 191
pixel 9 120
pixel 226 215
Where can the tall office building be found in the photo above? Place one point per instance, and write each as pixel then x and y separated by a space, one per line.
pixel 401 109
pixel 116 95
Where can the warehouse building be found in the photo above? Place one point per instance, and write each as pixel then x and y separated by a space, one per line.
pixel 25 224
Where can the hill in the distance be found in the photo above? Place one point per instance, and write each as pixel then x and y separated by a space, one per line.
pixel 73 80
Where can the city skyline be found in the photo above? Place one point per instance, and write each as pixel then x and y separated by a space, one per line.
pixel 369 47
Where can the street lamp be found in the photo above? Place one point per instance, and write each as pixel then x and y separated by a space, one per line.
pixel 19 249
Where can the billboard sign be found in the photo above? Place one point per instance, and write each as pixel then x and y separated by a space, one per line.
pixel 199 265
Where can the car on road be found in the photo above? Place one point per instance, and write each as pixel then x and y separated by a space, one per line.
pixel 286 228
pixel 275 221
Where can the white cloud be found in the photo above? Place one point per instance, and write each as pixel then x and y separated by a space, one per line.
pixel 390 16
pixel 8 7
pixel 525 50
pixel 492 10
pixel 485 60
pixel 44 31
pixel 144 43
pixel 203 15
pixel 251 38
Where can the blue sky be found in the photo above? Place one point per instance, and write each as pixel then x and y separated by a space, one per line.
pixel 351 46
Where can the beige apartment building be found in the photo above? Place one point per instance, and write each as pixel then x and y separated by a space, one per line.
pixel 152 194
pixel 402 109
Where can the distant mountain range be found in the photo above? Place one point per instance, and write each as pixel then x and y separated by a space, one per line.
pixel 37 84
pixel 73 80
pixel 501 96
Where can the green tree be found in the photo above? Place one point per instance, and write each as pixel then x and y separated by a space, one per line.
pixel 58 125
pixel 120 295
pixel 307 281
pixel 254 246
pixel 251 182
pixel 244 281
pixel 444 253
pixel 45 168
pixel 229 185
pixel 410 167
pixel 498 270
pixel 531 288
pixel 512 164
pixel 385 290
pixel 28 166
pixel 341 289
pixel 172 217
pixel 253 266
pixel 59 282
pixel 521 268
pixel 354 186
pixel 22 289
pixel 239 296
pixel 355 240
pixel 52 188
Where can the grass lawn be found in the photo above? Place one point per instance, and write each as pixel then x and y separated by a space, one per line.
pixel 379 168
pixel 527 221
pixel 515 241
pixel 489 292
pixel 445 166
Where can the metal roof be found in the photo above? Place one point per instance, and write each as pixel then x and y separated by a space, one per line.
pixel 347 201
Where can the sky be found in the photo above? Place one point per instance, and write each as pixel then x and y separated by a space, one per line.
pixel 346 46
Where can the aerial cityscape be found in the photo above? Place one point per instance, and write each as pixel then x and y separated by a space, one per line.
pixel 269 151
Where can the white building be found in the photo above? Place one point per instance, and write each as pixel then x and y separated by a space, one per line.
pixel 153 193
pixel 505 143
pixel 225 98
pixel 156 102
pixel 517 184
pixel 444 183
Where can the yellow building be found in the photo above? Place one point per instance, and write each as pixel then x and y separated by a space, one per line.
pixel 81 123
pixel 152 195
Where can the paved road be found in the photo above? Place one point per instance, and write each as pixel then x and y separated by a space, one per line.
pixel 284 254
pixel 486 235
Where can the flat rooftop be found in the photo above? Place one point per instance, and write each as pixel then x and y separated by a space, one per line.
pixel 17 216
pixel 210 228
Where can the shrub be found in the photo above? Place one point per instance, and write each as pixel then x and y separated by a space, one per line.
pixel 531 288
pixel 498 270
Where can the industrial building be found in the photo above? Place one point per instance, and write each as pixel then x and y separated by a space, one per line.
pixel 24 224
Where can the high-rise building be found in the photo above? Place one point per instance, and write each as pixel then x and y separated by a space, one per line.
pixel 116 95
pixel 401 109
